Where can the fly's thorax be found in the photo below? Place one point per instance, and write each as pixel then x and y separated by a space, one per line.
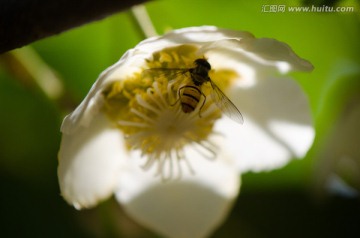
pixel 200 73
pixel 199 79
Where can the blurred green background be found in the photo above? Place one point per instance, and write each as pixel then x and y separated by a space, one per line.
pixel 289 202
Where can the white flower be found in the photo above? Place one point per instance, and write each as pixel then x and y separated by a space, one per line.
pixel 131 127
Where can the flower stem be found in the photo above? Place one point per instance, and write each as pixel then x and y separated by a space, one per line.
pixel 143 20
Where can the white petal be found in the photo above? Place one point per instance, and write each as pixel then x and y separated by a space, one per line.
pixel 89 163
pixel 191 35
pixel 256 53
pixel 89 107
pixel 277 125
pixel 190 207
pixel 273 50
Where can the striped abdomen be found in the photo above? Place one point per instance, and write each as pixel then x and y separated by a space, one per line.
pixel 189 97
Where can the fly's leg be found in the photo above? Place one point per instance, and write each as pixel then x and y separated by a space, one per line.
pixel 179 96
pixel 203 103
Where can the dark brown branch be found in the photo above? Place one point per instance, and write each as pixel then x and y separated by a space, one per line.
pixel 25 21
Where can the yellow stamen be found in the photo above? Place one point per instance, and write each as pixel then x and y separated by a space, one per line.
pixel 146 108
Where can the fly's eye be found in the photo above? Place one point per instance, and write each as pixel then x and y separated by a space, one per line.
pixel 203 63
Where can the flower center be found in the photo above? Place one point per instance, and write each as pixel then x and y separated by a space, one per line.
pixel 161 111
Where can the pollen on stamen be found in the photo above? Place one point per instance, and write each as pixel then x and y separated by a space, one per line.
pixel 148 112
pixel 161 130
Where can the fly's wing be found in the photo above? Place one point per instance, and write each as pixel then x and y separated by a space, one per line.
pixel 225 105
pixel 168 73
pixel 174 77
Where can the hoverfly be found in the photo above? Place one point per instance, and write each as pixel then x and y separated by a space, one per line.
pixel 190 93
